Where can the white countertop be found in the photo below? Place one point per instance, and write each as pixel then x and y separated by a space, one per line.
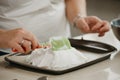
pixel 105 70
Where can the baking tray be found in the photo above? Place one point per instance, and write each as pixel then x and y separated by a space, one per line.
pixel 95 55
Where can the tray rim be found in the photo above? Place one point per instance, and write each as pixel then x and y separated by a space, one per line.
pixel 55 72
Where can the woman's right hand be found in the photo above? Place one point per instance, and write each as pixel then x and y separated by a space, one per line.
pixel 19 40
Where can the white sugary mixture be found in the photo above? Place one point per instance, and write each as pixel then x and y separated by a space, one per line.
pixel 56 60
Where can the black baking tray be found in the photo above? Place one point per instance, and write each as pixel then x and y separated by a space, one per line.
pixel 77 43
pixel 92 46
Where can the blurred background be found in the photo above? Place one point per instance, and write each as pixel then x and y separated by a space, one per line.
pixel 105 9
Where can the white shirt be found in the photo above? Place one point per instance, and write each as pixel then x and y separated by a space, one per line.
pixel 44 18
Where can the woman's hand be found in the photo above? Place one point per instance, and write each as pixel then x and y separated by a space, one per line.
pixel 92 24
pixel 19 40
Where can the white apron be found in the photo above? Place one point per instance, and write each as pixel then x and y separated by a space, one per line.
pixel 44 18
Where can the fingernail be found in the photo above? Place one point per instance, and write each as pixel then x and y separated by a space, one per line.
pixel 14 50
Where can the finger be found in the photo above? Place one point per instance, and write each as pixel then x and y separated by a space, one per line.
pixel 39 46
pixel 101 34
pixel 97 26
pixel 30 37
pixel 26 46
pixel 83 26
pixel 17 48
pixel 35 43
pixel 105 27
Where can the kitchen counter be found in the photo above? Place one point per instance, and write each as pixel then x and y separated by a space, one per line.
pixel 105 70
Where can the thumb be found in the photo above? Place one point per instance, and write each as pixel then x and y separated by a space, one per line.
pixel 83 26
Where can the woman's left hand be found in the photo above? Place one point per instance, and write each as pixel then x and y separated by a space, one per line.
pixel 92 24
